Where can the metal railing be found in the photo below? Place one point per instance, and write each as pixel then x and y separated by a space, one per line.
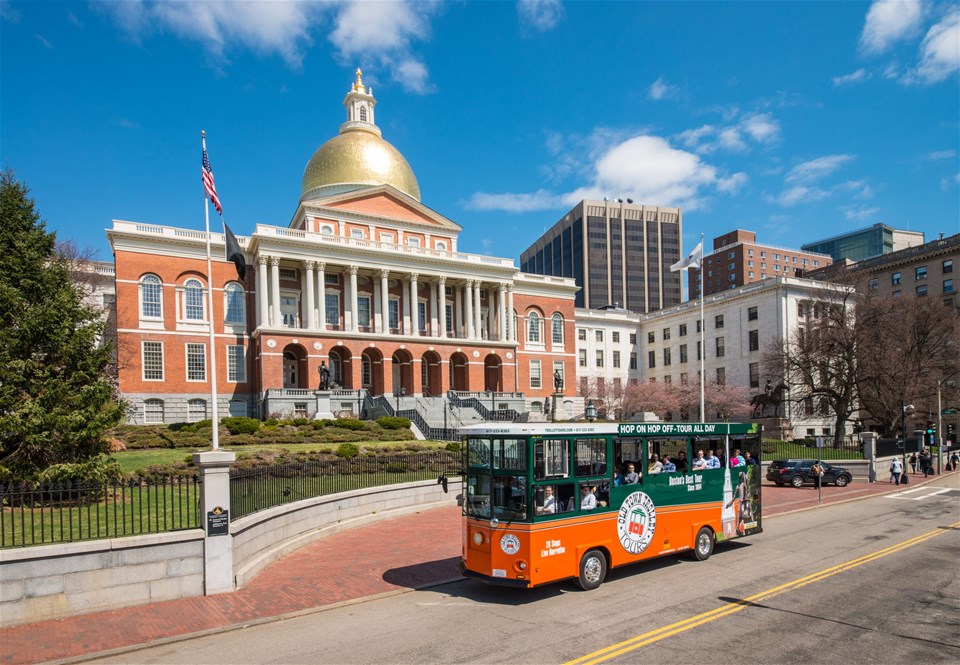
pixel 500 415
pixel 263 487
pixel 63 512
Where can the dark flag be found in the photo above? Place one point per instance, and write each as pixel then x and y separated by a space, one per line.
pixel 234 252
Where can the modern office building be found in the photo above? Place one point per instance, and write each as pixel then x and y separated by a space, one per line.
pixel 618 253
pixel 865 243
pixel 738 259
pixel 366 281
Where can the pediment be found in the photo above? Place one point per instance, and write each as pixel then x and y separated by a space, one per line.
pixel 386 202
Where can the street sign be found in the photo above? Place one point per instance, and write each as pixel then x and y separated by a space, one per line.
pixel 950 412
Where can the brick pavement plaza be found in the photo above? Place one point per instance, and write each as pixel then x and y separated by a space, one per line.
pixel 409 552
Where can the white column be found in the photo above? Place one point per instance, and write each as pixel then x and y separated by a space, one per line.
pixel 476 309
pixel 322 296
pixel 405 304
pixel 414 305
pixel 275 318
pixel 354 305
pixel 468 309
pixel 458 312
pixel 385 301
pixel 512 327
pixel 309 307
pixel 263 293
pixel 442 288
pixel 502 310
pixel 434 314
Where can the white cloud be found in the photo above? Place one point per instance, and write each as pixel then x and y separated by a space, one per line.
pixel 513 202
pixel 889 21
pixel 43 40
pixel 642 167
pixel 659 89
pixel 937 155
pixel 8 12
pixel 858 76
pixel 729 138
pixel 692 138
pixel 541 15
pixel 379 33
pixel 946 183
pixel 860 213
pixel 799 194
pixel 817 168
pixel 74 20
pixel 761 127
pixel 939 52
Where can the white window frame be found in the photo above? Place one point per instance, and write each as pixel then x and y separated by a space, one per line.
pixel 147 411
pixel 360 312
pixel 236 363
pixel 358 234
pixel 332 320
pixel 192 412
pixel 238 306
pixel 185 305
pixel 534 329
pixel 144 280
pixel 143 360
pixel 536 378
pixel 555 329
pixel 186 364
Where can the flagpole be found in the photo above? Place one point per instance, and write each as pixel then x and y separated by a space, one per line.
pixel 215 415
pixel 703 350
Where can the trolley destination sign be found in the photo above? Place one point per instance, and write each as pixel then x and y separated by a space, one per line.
pixel 693 429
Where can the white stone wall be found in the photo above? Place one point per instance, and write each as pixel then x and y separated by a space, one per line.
pixel 57 581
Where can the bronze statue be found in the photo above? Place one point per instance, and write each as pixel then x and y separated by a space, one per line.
pixel 557 381
pixel 770 397
pixel 324 376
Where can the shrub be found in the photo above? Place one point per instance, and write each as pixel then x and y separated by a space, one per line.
pixel 96 469
pixel 271 422
pixel 241 425
pixel 453 447
pixel 347 450
pixel 318 424
pixel 349 423
pixel 300 422
pixel 393 422
pixel 397 467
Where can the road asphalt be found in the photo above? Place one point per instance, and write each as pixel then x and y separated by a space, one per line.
pixel 389 557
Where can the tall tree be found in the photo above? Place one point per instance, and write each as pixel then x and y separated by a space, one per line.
pixel 819 362
pixel 56 399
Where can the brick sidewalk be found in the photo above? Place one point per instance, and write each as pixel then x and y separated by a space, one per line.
pixel 409 552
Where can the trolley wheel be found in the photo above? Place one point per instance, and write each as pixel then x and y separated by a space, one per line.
pixel 703 544
pixel 593 570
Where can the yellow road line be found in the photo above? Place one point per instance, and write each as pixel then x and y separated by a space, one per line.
pixel 658 634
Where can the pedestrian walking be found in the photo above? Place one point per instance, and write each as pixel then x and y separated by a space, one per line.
pixel 817 471
pixel 913 462
pixel 896 470
pixel 954 458
pixel 926 463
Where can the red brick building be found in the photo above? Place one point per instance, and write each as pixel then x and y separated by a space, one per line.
pixel 365 279
pixel 738 259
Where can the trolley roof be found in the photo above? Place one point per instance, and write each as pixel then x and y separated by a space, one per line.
pixel 621 429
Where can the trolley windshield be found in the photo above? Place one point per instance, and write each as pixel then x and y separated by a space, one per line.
pixel 496 478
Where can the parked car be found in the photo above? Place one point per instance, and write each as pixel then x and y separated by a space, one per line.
pixel 797 472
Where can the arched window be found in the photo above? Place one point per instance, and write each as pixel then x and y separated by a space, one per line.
pixel 326 228
pixel 441 246
pixel 151 297
pixel 557 327
pixel 513 326
pixel 233 303
pixel 196 410
pixel 193 300
pixel 153 411
pixel 534 328
pixel 363 114
pixel 366 366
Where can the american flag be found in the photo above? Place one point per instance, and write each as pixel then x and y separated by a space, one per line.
pixel 208 181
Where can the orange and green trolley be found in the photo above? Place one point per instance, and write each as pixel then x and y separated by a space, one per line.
pixel 548 501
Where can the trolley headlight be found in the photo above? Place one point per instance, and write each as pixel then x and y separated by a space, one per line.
pixel 520 565
pixel 477 537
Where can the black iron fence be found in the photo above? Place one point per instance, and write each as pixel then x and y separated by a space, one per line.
pixel 848 449
pixel 262 487
pixel 63 512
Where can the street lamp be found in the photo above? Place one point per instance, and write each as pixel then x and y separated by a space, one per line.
pixel 905 410
pixel 398 394
pixel 590 412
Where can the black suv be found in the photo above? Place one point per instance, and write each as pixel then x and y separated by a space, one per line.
pixel 797 472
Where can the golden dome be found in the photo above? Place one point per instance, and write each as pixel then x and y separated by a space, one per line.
pixel 357 157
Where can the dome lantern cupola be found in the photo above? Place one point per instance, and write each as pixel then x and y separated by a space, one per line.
pixel 358 157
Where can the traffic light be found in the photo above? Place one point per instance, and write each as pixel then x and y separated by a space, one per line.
pixel 931 432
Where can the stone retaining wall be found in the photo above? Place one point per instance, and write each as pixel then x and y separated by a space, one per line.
pixel 57 581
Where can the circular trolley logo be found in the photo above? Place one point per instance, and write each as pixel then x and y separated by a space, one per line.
pixel 510 544
pixel 636 522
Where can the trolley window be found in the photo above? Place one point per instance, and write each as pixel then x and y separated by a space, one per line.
pixel 591 457
pixel 510 455
pixel 552 458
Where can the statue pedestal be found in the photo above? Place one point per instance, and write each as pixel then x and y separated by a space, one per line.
pixel 323 405
pixel 776 428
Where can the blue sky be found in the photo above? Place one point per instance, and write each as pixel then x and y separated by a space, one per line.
pixel 799 120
